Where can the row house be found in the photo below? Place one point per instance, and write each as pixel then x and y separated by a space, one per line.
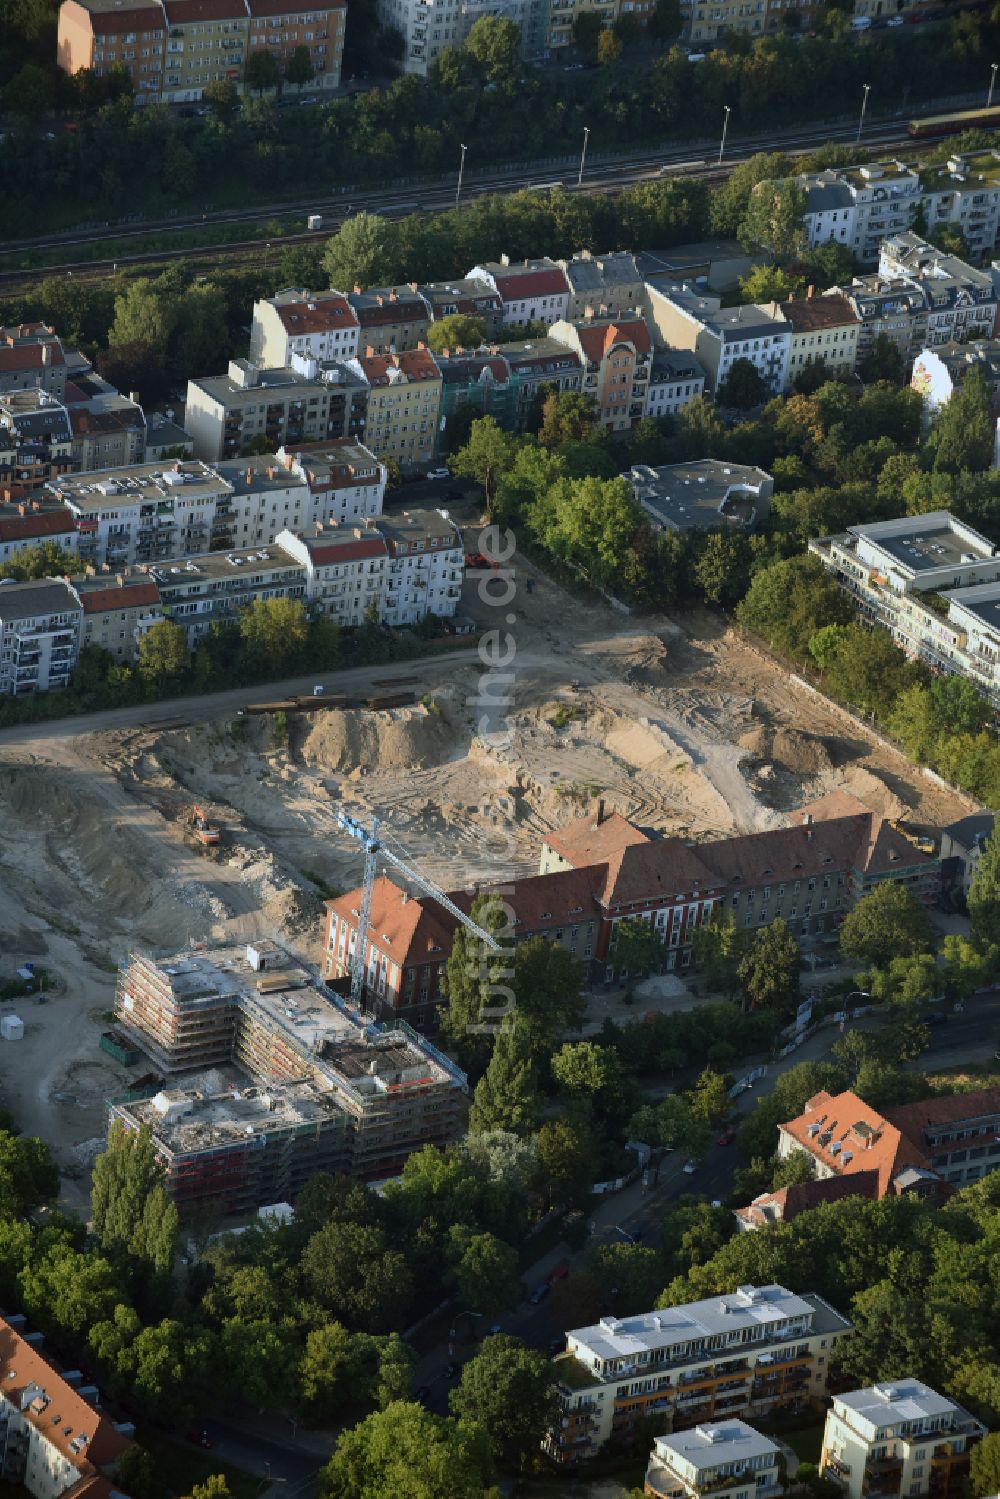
pixel 473 385
pixel 117 612
pixel 346 392
pixel 603 286
pixel 685 318
pixel 346 481
pixel 345 569
pixel 961 302
pixel 933 583
pixel 675 380
pixel 319 325
pixel 824 330
pixel 859 207
pixel 36 442
pixel 128 516
pixel 891 306
pixel 247 407
pixel 965 192
pixel 562 16
pixel 172 51
pixel 32 527
pixel 429 26
pixel 403 404
pixel 535 364
pixel 736 1355
pixel 39 636
pixel 467 297
pixel 712 19
pixel 938 373
pixel 727 1459
pixel 31 357
pixel 391 319
pixel 215 587
pixel 901 1439
pixel 617 357
pixel 531 291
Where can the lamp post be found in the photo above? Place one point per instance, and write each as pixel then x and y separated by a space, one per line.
pixel 583 155
pixel 864 106
pixel 725 127
pixel 461 172
pixel 993 79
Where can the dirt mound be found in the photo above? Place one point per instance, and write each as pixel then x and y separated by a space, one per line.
pixel 802 754
pixel 873 791
pixel 646 745
pixel 399 739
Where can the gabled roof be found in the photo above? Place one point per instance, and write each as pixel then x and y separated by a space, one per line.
pixel 913 1119
pixel 545 902
pixel 125 594
pixel 328 550
pixel 807 314
pixel 788 1202
pixel 594 839
pixel 316 313
pixel 36 526
pixel 599 338
pixel 405 929
pixel 535 278
pixel 645 871
pixel 83 1437
pixel 849 1136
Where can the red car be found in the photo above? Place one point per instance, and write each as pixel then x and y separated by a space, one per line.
pixel 727 1137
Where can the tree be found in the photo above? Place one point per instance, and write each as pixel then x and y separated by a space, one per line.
pixel 769 970
pixel 609 48
pixel 494 44
pixel 787 1099
pixel 262 70
pixel 718 949
pixel 666 21
pixel 730 201
pixel 364 252
pixel 406 1450
pixel 773 222
pixel 299 69
pixel 222 98
pixel 30 92
pixel 587 28
pixel 769 283
pixel 907 981
pixel 884 361
pixel 351 1270
pixel 964 431
pixel 566 1150
pixel 214 1487
pixel 457 331
pixel 984 895
pixel 636 947
pixel 985 1465
pixel 547 983
pixel 164 654
pixel 743 387
pixel 483 1270
pixel 788 601
pixel 792 1170
pixel 479 998
pixel 567 416
pixel 130 1210
pixel 486 457
pixel 506 1096
pixel 137 1473
pixel 710 1097
pixel 327 1371
pixel 274 632
pixel 510 1390
pixel 259 1356
pixel 29 1176
pixel 889 922
pixel 671 1123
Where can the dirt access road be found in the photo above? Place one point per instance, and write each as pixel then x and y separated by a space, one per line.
pixel 677 724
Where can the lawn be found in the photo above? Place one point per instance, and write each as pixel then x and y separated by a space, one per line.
pixel 182 1466
pixel 802 1432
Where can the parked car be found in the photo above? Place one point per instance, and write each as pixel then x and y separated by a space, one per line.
pixel 689 1168
pixel 199 1439
pixel 728 1136
pixel 894 21
pixel 438 473
pixel 540 1292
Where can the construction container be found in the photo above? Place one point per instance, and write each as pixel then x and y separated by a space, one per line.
pixel 391 700
pixel 12 1028
pixel 116 1046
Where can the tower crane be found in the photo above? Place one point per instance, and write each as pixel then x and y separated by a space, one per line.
pixel 375 848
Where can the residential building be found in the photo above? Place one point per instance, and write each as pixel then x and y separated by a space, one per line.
pixel 532 291
pixel 32 357
pixel 166 439
pixel 327 1091
pixel 933 582
pixel 824 330
pixel 102 34
pixel 425 567
pixel 617 356
pixel 708 1361
pixel 675 380
pixel 965 191
pixel 54 1437
pixel 39 636
pixel 229 414
pixel 603 286
pixel 894 306
pixel 467 296
pixel 860 206
pixel 36 442
pixel 898 1439
pixel 933 1146
pixel 786 1203
pixel 719 336
pixel 473 385
pixel 712 19
pixel 709 265
pixel 346 481
pixel 32 527
pixel 726 1458
pixel 137 514
pixel 108 428
pixel 702 495
pixel 538 363
pixel 344 569
pixel 964 842
pixel 391 319
pixel 938 373
pixel 961 301
pixel 561 17
pixel 319 325
pixel 281 29
pixel 403 404
pixel 428 26
pixel 215 587
pixel 117 612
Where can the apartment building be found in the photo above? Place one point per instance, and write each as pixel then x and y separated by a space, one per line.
pixel 726 1459
pixel 933 1146
pixel 32 357
pixel 824 330
pixel 895 306
pixel 345 479
pixel 403 404
pixel 36 442
pixel 39 636
pixel 703 495
pixel 31 527
pixel 139 514
pixel 708 1361
pixel 466 296
pixel 603 286
pixel 228 415
pixel 173 50
pixel 933 582
pixel 166 439
pixel 719 336
pixel 277 1079
pixel 675 380
pixel 617 355
pixel 319 325
pixel 54 1437
pixel 428 26
pixel 711 19
pixel 531 291
pixel 965 191
pixel 561 17
pixel 474 385
pixel 425 567
pixel 964 842
pixel 535 363
pixel 898 1441
pixel 391 319
pixel 938 373
pixel 344 568
pixel 347 412
pixel 117 612
pixel 214 588
pixel 961 301
pixel 860 206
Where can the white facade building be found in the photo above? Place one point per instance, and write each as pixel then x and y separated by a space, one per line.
pixel 675 380
pixel 860 206
pixel 345 571
pixel 428 26
pixel 725 1458
pixel 318 325
pixel 532 291
pixel 39 636
pixel 898 1439
pixel 719 336
pixel 425 569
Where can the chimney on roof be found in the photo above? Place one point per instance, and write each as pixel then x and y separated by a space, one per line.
pixel 133 396
pixel 357 289
pixel 599 812
pixel 380 299
pixel 811 291
pixel 46 353
pixel 392 294
pixel 505 259
pixel 406 896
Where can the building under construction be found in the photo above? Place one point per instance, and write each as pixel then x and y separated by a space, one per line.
pixel 274 1078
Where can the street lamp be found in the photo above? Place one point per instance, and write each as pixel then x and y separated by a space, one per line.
pixel 864 106
pixel 461 171
pixel 993 79
pixel 725 127
pixel 583 155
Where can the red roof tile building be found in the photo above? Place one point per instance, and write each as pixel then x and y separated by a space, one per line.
pixel 316 325
pixel 810 873
pixel 33 527
pixel 532 291
pixel 618 357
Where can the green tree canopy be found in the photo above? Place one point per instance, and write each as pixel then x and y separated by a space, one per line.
pixel 508 1389
pixel 364 252
pixel 494 44
pixel 769 969
pixel 458 330
pixel 743 387
pixel 163 654
pixel 486 456
pixel 130 1209
pixel 636 947
pixel 887 923
pixel 984 895
pixel 506 1096
pixel 274 632
pixel 406 1450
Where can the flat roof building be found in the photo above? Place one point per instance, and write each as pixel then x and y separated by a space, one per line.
pixel 702 495
pixel 726 1458
pixel 898 1438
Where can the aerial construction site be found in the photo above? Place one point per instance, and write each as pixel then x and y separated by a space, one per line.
pixel 681 726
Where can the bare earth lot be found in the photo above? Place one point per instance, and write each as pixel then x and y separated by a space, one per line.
pixel 685 729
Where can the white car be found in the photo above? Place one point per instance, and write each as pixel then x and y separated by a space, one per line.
pixel 894 21
pixel 439 473
pixel 689 1168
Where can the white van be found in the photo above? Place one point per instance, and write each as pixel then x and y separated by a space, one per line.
pixel 861 23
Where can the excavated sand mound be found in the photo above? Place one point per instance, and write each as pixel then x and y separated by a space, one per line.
pixel 802 754
pixel 873 791
pixel 647 746
pixel 398 739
